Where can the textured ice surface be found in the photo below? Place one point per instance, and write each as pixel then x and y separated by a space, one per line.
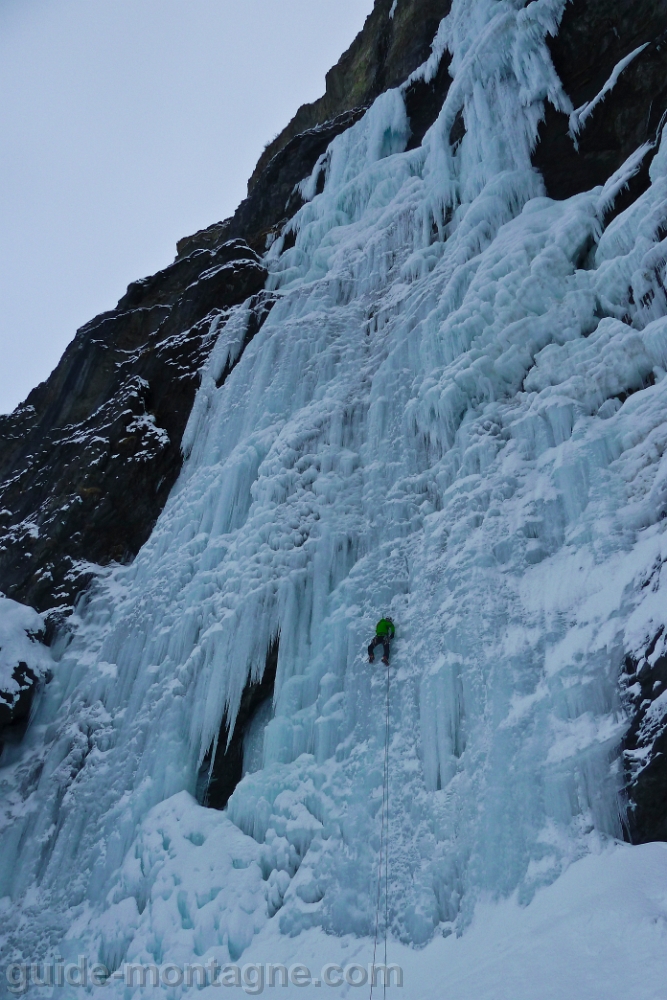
pixel 253 743
pixel 455 413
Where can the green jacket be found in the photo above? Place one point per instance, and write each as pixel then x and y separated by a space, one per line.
pixel 384 627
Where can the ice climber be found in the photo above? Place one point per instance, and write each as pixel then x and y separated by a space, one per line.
pixel 384 633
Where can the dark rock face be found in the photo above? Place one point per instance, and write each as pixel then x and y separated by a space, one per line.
pixel 423 101
pixel 87 462
pixel 645 687
pixel 594 36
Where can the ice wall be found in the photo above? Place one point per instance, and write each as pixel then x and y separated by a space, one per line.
pixel 454 414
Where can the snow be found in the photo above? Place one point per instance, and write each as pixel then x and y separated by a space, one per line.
pixel 596 934
pixel 455 414
pixel 153 438
pixel 19 627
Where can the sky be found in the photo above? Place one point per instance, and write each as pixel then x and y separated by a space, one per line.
pixel 125 125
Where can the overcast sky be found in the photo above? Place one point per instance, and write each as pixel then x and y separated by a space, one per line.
pixel 125 125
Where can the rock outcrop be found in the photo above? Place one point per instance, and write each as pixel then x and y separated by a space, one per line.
pixel 24 664
pixel 87 462
pixel 594 37
pixel 645 687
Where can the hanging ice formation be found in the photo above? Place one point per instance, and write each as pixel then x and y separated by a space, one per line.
pixel 432 422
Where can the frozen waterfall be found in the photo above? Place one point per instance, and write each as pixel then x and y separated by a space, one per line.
pixel 431 423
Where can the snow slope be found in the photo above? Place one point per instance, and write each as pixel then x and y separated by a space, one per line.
pixel 598 933
pixel 455 413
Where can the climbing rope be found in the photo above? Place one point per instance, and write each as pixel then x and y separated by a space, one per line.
pixel 384 854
